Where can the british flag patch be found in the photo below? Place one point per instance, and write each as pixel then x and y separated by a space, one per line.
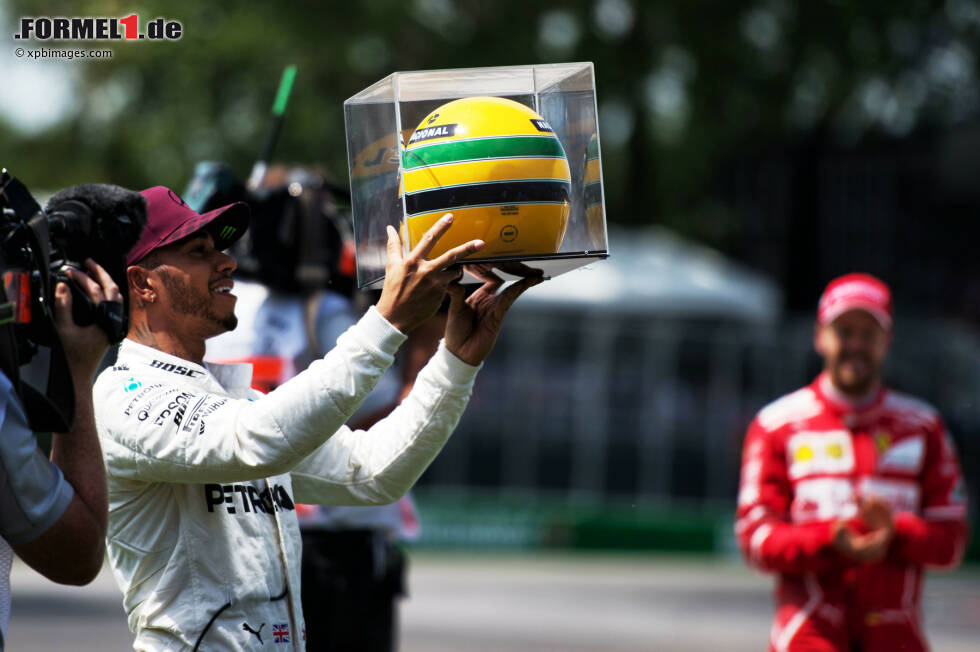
pixel 280 633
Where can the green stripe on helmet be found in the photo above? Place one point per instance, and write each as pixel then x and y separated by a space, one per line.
pixel 482 148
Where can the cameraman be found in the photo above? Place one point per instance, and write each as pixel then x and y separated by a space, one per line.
pixel 53 513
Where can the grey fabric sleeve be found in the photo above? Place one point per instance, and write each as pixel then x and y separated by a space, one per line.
pixel 33 491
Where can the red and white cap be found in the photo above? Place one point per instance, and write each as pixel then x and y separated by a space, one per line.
pixel 856 292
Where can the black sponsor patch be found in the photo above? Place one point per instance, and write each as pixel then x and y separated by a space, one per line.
pixel 428 133
pixel 542 125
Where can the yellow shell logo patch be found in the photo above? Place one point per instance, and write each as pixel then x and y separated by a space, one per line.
pixel 804 454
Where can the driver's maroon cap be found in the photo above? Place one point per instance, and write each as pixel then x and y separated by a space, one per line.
pixel 169 219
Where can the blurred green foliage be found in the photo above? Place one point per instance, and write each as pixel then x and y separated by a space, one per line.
pixel 682 86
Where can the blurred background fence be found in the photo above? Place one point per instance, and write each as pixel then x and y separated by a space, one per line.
pixel 622 426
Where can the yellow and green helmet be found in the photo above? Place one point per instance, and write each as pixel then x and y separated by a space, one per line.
pixel 498 167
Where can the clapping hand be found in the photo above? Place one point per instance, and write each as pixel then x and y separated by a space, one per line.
pixel 877 516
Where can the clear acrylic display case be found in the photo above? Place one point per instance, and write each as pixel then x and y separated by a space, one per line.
pixel 562 94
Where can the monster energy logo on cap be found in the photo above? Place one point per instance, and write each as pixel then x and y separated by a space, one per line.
pixel 226 232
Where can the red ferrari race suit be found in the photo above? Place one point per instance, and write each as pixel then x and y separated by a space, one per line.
pixel 807 458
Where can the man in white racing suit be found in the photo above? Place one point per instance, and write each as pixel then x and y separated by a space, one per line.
pixel 204 472
pixel 353 573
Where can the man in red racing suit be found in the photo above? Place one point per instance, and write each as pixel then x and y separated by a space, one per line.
pixel 848 489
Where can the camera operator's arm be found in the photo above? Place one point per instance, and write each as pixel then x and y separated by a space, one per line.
pixel 71 551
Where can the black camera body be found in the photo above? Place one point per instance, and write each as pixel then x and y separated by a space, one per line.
pixel 95 221
pixel 297 229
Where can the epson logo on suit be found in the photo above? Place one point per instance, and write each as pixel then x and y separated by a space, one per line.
pixel 178 405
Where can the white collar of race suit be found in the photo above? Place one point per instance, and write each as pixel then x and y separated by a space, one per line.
pixel 231 376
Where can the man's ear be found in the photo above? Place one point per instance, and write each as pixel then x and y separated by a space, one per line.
pixel 141 289
pixel 817 344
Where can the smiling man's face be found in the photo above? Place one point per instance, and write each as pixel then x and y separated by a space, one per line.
pixel 194 285
pixel 854 347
